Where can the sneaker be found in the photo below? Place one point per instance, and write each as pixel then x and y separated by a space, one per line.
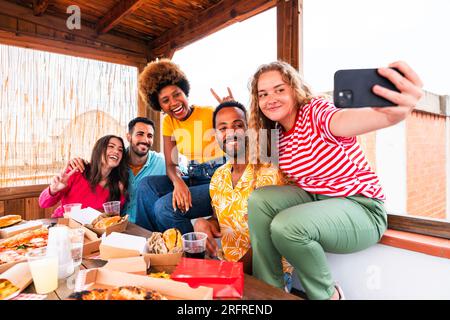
pixel 339 290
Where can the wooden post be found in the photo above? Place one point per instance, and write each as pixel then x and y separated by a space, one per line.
pixel 144 111
pixel 289 30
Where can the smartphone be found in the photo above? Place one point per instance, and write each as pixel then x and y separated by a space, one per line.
pixel 353 88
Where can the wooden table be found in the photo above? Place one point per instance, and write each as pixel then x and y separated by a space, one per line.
pixel 254 289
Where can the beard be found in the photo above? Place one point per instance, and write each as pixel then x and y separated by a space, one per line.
pixel 139 153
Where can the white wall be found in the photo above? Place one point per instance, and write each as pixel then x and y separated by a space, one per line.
pixel 391 166
pixel 447 154
pixel 384 272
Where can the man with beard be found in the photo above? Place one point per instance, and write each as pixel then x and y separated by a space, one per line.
pixel 231 186
pixel 142 161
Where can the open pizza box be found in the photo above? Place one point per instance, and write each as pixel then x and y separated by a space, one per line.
pixel 89 216
pixel 119 245
pixel 91 239
pixel 102 278
pixel 6 266
pixel 18 228
pixel 20 276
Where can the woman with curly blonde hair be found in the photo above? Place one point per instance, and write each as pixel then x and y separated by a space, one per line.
pixel 337 202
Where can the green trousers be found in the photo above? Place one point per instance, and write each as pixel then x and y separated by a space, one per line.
pixel 288 221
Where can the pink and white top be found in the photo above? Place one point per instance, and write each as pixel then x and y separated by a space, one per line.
pixel 321 163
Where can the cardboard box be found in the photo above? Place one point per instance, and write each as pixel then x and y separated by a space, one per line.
pixel 119 227
pixel 124 245
pixel 91 240
pixel 136 265
pixel 20 276
pixel 172 290
pixel 88 216
pixel 6 266
pixel 18 228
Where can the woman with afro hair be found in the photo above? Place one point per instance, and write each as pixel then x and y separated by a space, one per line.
pixel 171 201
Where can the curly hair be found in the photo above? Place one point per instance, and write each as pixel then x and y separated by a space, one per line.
pixel 258 121
pixel 157 75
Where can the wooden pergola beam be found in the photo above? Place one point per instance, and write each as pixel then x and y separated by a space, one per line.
pixel 113 17
pixel 289 30
pixel 19 27
pixel 221 15
pixel 39 7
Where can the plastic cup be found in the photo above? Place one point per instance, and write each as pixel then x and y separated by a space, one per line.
pixel 76 236
pixel 44 270
pixel 194 244
pixel 71 207
pixel 112 208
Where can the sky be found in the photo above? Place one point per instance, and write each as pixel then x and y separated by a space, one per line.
pixel 344 34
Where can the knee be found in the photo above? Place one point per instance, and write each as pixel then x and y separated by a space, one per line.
pixel 163 208
pixel 278 230
pixel 283 229
pixel 257 200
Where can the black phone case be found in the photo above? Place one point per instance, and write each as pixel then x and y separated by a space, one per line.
pixel 353 88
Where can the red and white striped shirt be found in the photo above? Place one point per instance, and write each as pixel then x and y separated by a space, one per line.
pixel 322 163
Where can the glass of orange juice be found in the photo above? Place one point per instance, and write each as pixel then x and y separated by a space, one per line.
pixel 44 270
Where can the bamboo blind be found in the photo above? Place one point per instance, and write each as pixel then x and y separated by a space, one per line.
pixel 54 107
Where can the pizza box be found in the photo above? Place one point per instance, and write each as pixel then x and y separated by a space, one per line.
pixel 136 265
pixel 91 240
pixel 20 276
pixel 88 216
pixel 119 245
pixel 173 290
pixel 20 227
pixel 6 266
pixel 84 216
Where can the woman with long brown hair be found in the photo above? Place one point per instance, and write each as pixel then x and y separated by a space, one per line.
pixel 104 179
pixel 336 204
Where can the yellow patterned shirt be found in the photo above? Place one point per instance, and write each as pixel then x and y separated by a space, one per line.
pixel 230 205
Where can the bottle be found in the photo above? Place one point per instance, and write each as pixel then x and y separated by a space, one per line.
pixel 59 243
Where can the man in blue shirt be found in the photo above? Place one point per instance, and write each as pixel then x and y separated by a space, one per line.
pixel 142 161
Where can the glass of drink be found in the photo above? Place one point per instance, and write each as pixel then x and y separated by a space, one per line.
pixel 194 244
pixel 44 270
pixel 112 208
pixel 76 236
pixel 71 207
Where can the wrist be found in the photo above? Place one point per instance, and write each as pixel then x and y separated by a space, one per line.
pixel 52 192
pixel 178 181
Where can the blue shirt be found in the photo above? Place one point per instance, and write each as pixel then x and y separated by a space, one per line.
pixel 154 166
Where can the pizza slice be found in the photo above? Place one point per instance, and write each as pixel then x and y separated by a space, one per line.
pixel 94 294
pixel 135 293
pixel 7 288
pixel 28 239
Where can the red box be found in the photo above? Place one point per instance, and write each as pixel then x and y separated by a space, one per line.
pixel 226 278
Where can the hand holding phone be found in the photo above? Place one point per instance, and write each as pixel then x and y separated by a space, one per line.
pixel 384 87
pixel 353 88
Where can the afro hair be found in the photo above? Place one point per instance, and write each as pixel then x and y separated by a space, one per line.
pixel 157 75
